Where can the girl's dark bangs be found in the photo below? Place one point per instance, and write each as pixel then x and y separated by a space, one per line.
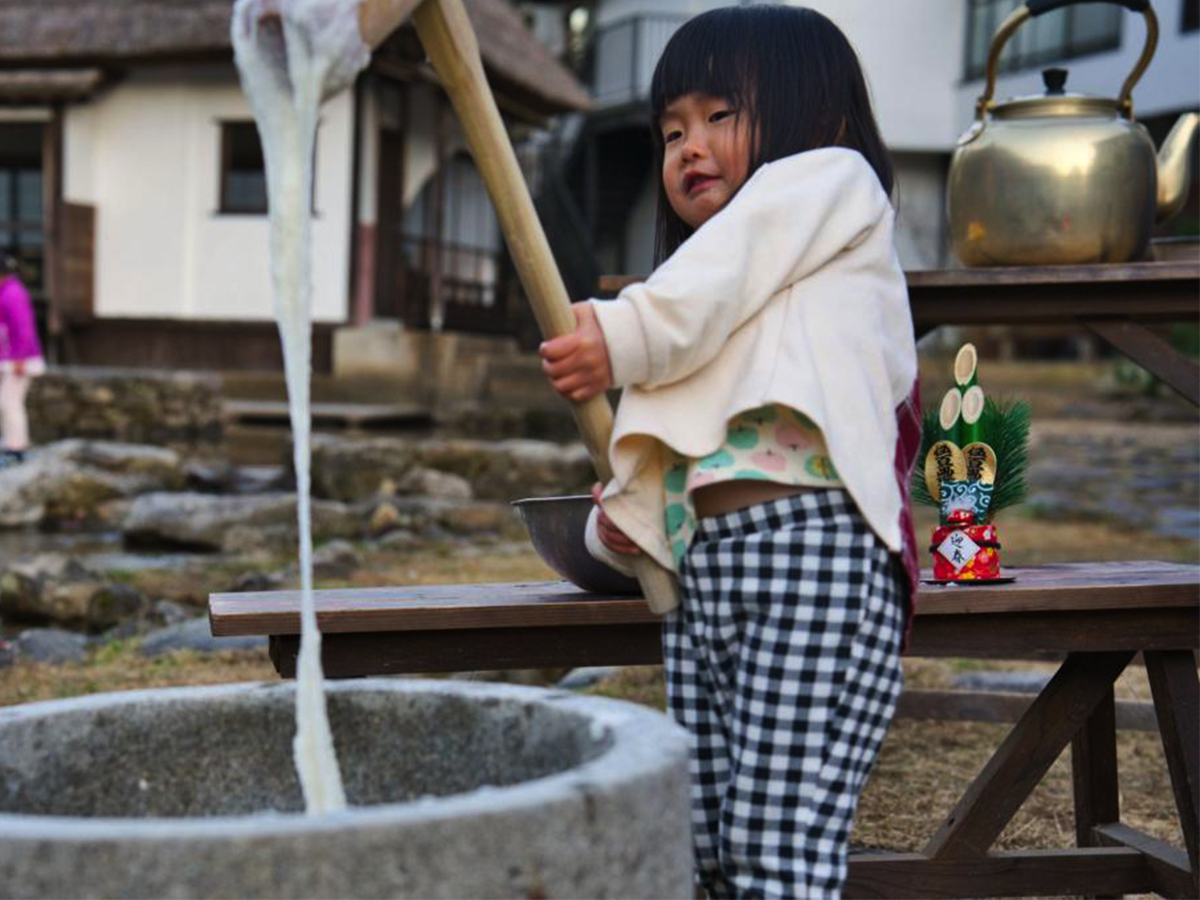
pixel 700 58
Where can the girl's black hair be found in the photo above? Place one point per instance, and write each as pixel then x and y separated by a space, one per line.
pixel 788 70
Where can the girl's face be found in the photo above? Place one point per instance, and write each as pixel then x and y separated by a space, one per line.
pixel 706 155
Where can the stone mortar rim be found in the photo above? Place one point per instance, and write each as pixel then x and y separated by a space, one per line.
pixel 659 742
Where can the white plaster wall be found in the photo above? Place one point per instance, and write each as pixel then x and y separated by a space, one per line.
pixel 911 53
pixel 79 153
pixel 162 249
pixel 920 199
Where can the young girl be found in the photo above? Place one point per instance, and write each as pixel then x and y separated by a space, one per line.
pixel 765 437
pixel 20 361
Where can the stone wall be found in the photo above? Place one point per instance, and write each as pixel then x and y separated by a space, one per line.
pixel 134 406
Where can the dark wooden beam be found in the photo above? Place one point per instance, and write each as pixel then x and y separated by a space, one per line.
pixel 1152 353
pixel 997 706
pixel 1168 865
pixel 1008 874
pixel 1176 690
pixel 1094 771
pixel 1025 756
pixel 409 652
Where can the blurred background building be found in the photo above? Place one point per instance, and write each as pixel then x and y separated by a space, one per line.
pixel 132 182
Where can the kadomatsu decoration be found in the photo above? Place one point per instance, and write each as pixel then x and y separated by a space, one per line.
pixel 976 454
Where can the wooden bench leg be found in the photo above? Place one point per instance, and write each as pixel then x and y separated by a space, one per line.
pixel 1176 690
pixel 1094 773
pixel 1052 720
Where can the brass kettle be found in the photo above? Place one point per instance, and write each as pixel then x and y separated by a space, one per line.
pixel 1063 178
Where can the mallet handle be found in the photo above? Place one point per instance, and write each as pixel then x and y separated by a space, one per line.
pixel 449 40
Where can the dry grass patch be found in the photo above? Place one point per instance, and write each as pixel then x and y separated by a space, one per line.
pixel 119 667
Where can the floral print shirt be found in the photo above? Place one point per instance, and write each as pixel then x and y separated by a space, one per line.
pixel 771 443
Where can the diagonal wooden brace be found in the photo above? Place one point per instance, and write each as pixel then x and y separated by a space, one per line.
pixel 1058 713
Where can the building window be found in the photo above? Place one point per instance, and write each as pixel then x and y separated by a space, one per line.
pixel 1190 21
pixel 1060 35
pixel 21 215
pixel 243 173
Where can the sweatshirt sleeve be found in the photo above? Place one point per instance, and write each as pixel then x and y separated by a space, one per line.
pixel 791 218
pixel 597 550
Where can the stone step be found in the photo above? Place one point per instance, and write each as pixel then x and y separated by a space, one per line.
pixel 345 415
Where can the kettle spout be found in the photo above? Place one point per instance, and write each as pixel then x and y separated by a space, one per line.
pixel 1175 166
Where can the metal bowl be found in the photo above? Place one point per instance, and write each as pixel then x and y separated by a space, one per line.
pixel 556 526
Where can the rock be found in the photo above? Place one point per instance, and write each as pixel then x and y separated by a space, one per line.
pixel 113 604
pixel 477 518
pixel 209 476
pixel 132 405
pixel 50 645
pixel 261 480
pixel 585 676
pixel 168 612
pixel 50 586
pixel 195 634
pixel 205 521
pixel 432 483
pixel 353 470
pixel 400 539
pixel 384 519
pixel 1014 682
pixel 69 480
pixel 58 588
pixel 432 518
pixel 337 559
pixel 257 581
pixel 261 541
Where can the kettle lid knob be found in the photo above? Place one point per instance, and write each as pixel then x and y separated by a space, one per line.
pixel 1055 80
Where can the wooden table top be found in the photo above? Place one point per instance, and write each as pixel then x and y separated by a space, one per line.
pixel 1042 589
pixel 1163 291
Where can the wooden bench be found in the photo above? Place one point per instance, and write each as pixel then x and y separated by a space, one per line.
pixel 1096 617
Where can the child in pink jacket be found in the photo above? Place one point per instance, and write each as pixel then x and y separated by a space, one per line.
pixel 20 362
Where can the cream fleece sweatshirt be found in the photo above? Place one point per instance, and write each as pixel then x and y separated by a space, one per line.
pixel 791 294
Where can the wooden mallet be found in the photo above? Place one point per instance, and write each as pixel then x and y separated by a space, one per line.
pixel 449 40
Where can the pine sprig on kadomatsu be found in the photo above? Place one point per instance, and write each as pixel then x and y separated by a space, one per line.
pixel 1005 427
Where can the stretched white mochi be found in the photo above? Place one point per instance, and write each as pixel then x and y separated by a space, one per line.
pixel 292 54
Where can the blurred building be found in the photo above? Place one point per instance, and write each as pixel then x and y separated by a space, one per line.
pixel 132 184
pixel 924 61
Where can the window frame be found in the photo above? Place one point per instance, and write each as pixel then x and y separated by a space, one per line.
pixel 976 69
pixel 226 157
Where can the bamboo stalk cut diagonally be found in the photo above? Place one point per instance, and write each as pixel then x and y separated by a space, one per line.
pixel 949 414
pixel 972 411
pixel 966 364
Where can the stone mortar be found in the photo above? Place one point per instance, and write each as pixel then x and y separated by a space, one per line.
pixel 458 789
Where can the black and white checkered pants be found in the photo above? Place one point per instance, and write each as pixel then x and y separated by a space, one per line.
pixel 783 663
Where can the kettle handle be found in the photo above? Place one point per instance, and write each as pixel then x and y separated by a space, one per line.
pixel 1033 8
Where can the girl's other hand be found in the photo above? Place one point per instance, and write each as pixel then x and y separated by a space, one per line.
pixel 610 535
pixel 577 364
pixel 18 367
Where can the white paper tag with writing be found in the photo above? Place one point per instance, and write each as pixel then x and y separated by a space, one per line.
pixel 958 549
